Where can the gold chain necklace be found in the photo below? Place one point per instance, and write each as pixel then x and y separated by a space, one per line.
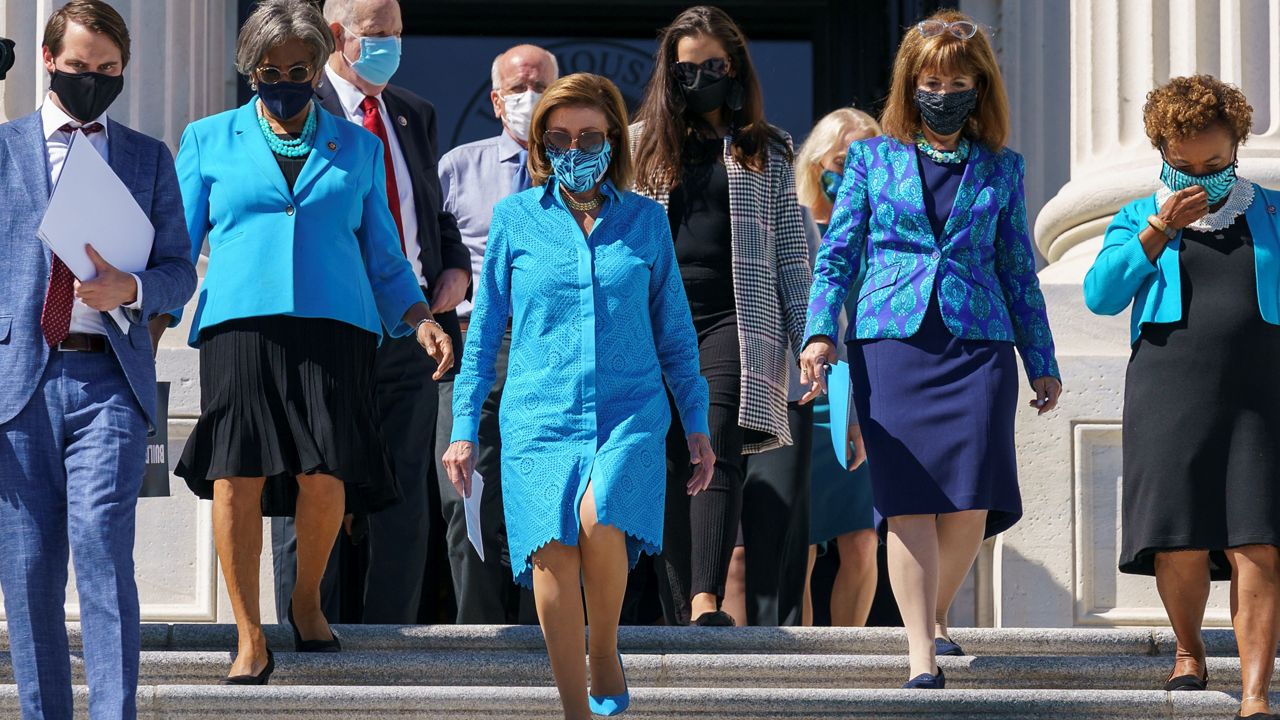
pixel 588 206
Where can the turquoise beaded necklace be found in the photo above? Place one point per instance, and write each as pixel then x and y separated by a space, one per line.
pixel 946 157
pixel 296 147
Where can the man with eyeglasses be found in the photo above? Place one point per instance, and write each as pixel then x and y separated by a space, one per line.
pixel 474 178
pixel 356 86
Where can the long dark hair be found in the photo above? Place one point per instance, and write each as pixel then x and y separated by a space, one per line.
pixel 663 111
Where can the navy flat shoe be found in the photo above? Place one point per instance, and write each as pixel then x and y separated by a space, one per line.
pixel 925 681
pixel 942 646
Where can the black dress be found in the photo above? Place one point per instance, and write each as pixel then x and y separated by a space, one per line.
pixel 1202 415
pixel 282 396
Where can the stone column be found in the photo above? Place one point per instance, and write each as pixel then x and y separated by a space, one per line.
pixel 1057 567
pixel 181 70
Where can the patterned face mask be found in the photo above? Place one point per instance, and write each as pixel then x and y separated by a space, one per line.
pixel 831 184
pixel 579 171
pixel 1217 185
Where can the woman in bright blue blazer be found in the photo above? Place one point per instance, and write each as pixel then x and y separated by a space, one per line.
pixel 1200 262
pixel 305 274
pixel 929 234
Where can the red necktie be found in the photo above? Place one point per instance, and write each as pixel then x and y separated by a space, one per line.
pixel 55 318
pixel 89 129
pixel 373 123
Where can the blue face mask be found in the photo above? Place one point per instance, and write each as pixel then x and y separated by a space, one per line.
pixel 1217 185
pixel 379 58
pixel 831 183
pixel 285 100
pixel 579 171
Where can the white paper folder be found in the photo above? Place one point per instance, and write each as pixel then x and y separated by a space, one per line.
pixel 90 205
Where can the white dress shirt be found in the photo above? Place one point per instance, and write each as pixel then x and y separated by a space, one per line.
pixel 351 97
pixel 84 319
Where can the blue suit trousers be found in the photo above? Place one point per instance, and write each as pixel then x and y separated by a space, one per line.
pixel 71 464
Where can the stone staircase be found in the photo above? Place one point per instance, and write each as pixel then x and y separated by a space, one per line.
pixel 490 673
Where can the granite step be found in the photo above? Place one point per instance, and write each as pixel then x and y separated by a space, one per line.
pixel 521 669
pixel 982 642
pixel 199 702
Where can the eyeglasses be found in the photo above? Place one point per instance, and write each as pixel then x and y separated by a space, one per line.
pixel 590 141
pixel 962 29
pixel 270 74
pixel 687 73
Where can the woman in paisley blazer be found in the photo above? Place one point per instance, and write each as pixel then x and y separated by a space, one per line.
pixel 702 148
pixel 934 209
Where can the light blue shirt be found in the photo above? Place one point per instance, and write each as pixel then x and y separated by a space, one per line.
pixel 1123 275
pixel 473 178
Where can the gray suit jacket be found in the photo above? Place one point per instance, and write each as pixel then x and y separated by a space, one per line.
pixel 145 166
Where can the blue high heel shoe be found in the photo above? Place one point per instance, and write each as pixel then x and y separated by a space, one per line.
pixel 610 705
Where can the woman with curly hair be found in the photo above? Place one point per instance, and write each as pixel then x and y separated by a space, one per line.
pixel 1200 262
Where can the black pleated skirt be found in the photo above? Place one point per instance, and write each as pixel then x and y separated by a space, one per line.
pixel 284 396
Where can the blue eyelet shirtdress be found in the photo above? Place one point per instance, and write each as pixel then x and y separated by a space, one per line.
pixel 597 323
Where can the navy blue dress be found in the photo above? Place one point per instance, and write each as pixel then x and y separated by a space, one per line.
pixel 939 426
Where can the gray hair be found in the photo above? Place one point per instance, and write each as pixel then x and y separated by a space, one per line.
pixel 495 72
pixel 339 11
pixel 275 22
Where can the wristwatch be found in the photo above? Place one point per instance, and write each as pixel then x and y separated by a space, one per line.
pixel 1160 225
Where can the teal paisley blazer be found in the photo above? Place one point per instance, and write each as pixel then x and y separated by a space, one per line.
pixel 983 266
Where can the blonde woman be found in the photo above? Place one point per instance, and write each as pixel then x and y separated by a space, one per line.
pixel 840 498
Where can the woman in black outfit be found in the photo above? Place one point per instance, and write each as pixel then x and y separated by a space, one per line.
pixel 1198 261
pixel 703 149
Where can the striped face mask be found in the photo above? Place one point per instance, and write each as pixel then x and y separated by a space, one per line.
pixel 1217 185
pixel 579 171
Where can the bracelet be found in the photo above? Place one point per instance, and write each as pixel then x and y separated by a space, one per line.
pixel 426 321
pixel 1160 225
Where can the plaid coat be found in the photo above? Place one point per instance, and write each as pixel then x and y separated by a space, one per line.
pixel 771 279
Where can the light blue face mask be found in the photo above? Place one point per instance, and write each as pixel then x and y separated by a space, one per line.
pixel 379 58
pixel 1217 185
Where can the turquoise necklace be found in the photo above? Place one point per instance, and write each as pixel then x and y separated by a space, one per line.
pixel 296 147
pixel 946 157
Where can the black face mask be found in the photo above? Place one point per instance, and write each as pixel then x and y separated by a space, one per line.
pixel 946 113
pixel 85 96
pixel 706 95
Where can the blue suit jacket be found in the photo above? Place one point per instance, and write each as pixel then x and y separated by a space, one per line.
pixel 1123 274
pixel 327 249
pixel 146 168
pixel 983 266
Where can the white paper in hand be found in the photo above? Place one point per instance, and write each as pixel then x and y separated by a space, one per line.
pixel 471 506
pixel 90 205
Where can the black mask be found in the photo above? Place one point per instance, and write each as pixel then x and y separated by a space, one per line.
pixel 946 113
pixel 85 96
pixel 285 100
pixel 706 95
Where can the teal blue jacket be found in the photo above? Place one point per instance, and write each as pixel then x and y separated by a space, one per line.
pixel 328 248
pixel 1122 273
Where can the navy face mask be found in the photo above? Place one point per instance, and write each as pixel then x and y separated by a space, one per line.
pixel 946 113
pixel 285 100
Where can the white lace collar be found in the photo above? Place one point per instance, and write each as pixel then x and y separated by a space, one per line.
pixel 1238 201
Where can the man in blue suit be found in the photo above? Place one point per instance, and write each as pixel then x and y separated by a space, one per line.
pixel 78 393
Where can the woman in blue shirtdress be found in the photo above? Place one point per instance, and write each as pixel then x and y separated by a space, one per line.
pixel 586 272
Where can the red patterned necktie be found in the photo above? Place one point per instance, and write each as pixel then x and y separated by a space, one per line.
pixel 55 318
pixel 373 123
pixel 89 129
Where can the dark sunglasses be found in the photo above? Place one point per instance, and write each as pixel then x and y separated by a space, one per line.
pixel 588 142
pixel 687 73
pixel 270 74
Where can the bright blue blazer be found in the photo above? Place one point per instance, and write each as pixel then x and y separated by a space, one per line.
pixel 327 249
pixel 1122 274
pixel 881 248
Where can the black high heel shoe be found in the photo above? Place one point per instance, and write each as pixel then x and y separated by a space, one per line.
pixel 1187 682
pixel 259 679
pixel 313 646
